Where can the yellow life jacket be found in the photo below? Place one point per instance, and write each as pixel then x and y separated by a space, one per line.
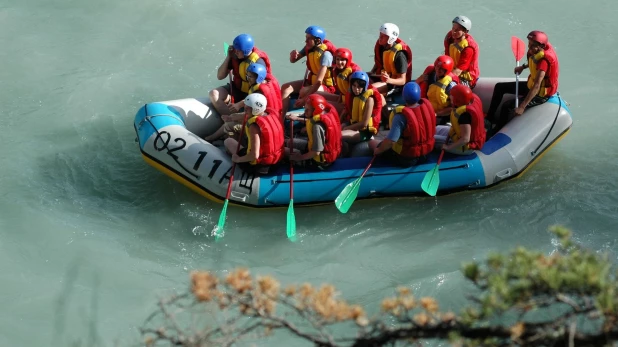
pixel 314 60
pixel 249 144
pixel 397 146
pixel 436 93
pixel 342 82
pixel 388 59
pixel 242 70
pixel 454 51
pixel 358 110
pixel 532 61
pixel 455 132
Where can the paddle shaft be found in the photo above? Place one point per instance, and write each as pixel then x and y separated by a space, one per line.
pixel 517 87
pixel 229 76
pixel 367 168
pixel 291 163
pixel 229 184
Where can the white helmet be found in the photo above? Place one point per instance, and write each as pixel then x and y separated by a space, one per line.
pixel 257 102
pixel 390 30
pixel 463 21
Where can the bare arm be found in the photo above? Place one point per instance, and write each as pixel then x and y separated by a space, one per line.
pixel 384 146
pixel 255 148
pixel 223 71
pixel 397 79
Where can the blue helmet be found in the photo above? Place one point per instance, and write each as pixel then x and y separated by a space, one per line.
pixel 259 70
pixel 359 75
pixel 244 43
pixel 316 31
pixel 411 93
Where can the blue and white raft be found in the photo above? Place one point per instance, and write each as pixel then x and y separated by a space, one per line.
pixel 170 136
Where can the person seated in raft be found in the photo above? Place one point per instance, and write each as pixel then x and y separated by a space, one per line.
pixel 412 130
pixel 260 81
pixel 264 138
pixel 319 52
pixel 343 67
pixel 461 46
pixel 467 130
pixel 392 66
pixel 542 82
pixel 323 145
pixel 436 83
pixel 363 109
pixel 240 55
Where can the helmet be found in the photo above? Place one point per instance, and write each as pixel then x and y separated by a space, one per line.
pixel 244 43
pixel 390 30
pixel 259 70
pixel 461 95
pixel 538 36
pixel 257 102
pixel 359 75
pixel 316 31
pixel 346 54
pixel 411 92
pixel 445 62
pixel 317 101
pixel 463 21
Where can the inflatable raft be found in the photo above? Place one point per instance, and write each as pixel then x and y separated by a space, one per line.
pixel 170 136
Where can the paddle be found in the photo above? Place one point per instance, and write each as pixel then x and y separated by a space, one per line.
pixel 219 229
pixel 291 225
pixel 346 198
pixel 519 49
pixel 432 178
pixel 226 49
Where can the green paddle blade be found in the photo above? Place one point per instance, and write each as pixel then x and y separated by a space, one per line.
pixel 291 227
pixel 221 224
pixel 226 48
pixel 431 181
pixel 347 196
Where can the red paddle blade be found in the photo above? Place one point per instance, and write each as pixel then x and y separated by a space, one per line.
pixel 519 48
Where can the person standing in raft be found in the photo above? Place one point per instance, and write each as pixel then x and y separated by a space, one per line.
pixel 260 81
pixel 467 131
pixel 541 85
pixel 323 145
pixel 319 52
pixel 461 46
pixel 412 130
pixel 436 83
pixel 343 67
pixel 241 54
pixel 265 138
pixel 392 66
pixel 363 109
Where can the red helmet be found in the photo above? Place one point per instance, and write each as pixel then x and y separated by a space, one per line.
pixel 344 53
pixel 461 95
pixel 538 36
pixel 317 101
pixel 445 62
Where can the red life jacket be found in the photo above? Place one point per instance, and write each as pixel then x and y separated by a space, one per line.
pixel 339 89
pixel 429 70
pixel 236 66
pixel 420 128
pixel 477 136
pixel 380 64
pixel 376 113
pixel 271 90
pixel 332 145
pixel 551 77
pixel 474 69
pixel 329 48
pixel 271 139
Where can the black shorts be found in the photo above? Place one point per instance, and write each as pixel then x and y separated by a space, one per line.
pixel 399 160
pixel 257 169
pixel 238 95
